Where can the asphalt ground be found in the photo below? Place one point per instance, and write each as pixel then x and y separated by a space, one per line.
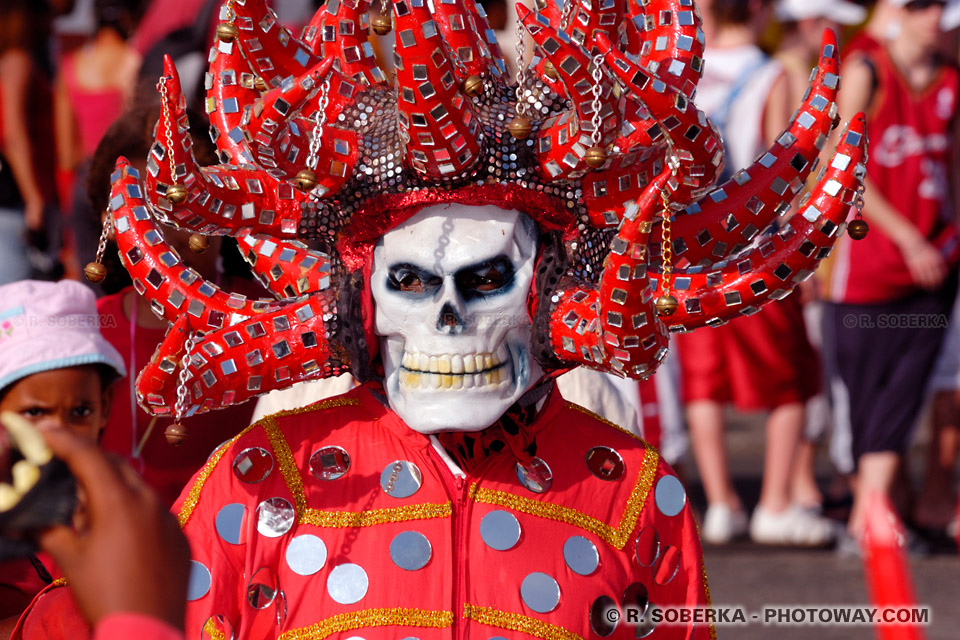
pixel 754 577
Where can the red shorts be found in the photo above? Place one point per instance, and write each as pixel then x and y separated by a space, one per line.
pixel 755 362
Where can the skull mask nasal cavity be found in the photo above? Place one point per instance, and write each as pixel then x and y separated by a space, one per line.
pixel 450 287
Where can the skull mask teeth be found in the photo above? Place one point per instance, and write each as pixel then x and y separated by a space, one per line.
pixel 450 287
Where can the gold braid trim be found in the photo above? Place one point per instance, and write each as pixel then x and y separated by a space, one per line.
pixel 706 590
pixel 340 519
pixel 287 465
pixel 397 617
pixel 599 418
pixel 517 622
pixel 616 537
pixel 210 630
pixel 186 510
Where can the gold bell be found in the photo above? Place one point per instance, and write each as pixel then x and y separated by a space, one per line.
pixel 176 194
pixel 473 86
pixel 595 156
pixel 381 24
pixel 858 229
pixel 550 71
pixel 541 5
pixel 305 180
pixel 227 32
pixel 175 434
pixel 199 243
pixel 520 127
pixel 260 84
pixel 667 305
pixel 95 272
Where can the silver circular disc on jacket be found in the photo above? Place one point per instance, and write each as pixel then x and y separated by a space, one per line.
pixel 648 546
pixel 216 628
pixel 581 555
pixel 605 463
pixel 262 588
pixel 604 616
pixel 306 554
pixel 670 496
pixel 229 522
pixel 500 530
pixel 400 479
pixel 536 476
pixel 199 582
pixel 410 550
pixel 668 566
pixel 329 463
pixel 636 598
pixel 646 625
pixel 253 465
pixel 275 517
pixel 347 583
pixel 540 592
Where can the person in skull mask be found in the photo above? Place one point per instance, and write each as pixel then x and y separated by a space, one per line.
pixel 473 248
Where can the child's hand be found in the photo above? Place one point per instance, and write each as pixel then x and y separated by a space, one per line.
pixel 131 556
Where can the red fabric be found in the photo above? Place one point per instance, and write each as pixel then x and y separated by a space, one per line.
pixel 910 146
pixel 462 569
pixel 650 411
pixel 20 582
pixel 53 615
pixel 165 468
pixel 121 626
pixel 94 110
pixel 756 362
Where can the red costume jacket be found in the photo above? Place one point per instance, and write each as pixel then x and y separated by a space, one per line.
pixel 333 554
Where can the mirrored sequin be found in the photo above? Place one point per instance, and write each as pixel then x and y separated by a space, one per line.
pixel 500 530
pixel 280 605
pixel 581 555
pixel 306 554
pixel 229 522
pixel 400 479
pixel 274 517
pixel 536 476
pixel 670 496
pixel 347 583
pixel 605 463
pixel 199 582
pixel 329 463
pixel 216 628
pixel 636 598
pixel 262 588
pixel 668 565
pixel 540 592
pixel 648 546
pixel 647 624
pixel 410 550
pixel 604 616
pixel 253 465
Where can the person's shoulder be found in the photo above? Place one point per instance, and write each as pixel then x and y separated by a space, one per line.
pixel 583 424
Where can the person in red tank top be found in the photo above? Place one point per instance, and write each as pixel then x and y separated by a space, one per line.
pixel 892 292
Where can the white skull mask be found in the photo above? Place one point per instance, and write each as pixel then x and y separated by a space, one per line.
pixel 450 287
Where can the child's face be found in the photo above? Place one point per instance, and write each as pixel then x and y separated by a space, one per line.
pixel 71 398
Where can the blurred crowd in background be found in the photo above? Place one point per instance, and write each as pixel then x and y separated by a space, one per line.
pixel 850 367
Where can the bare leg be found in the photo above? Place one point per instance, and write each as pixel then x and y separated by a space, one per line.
pixel 707 435
pixel 937 502
pixel 877 472
pixel 784 427
pixel 803 486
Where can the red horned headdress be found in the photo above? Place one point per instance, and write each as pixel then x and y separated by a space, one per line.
pixel 316 145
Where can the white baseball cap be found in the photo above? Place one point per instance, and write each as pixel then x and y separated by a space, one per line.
pixel 839 11
pixel 951 16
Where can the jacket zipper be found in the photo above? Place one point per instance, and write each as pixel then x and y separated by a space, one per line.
pixel 457 489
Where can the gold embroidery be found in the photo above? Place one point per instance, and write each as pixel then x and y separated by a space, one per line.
pixel 371 618
pixel 211 631
pixel 186 510
pixel 339 519
pixel 706 591
pixel 616 537
pixel 599 418
pixel 59 582
pixel 287 465
pixel 517 622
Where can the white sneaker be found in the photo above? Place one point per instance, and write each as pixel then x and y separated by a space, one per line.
pixel 793 526
pixel 722 524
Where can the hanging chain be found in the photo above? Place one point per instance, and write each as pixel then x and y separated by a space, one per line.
pixel 455 59
pixel 181 407
pixel 858 202
pixel 565 15
pixel 168 121
pixel 104 236
pixel 597 90
pixel 666 242
pixel 320 119
pixel 521 70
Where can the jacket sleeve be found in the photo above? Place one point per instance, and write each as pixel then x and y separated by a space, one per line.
pixel 121 626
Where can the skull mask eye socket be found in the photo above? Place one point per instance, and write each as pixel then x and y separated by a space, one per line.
pixel 409 278
pixel 486 278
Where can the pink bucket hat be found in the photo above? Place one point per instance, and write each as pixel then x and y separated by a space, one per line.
pixel 50 325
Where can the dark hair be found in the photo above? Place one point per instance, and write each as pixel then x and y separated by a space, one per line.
pixel 120 15
pixel 735 11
